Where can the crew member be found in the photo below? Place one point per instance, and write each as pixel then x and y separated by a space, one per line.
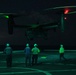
pixel 35 52
pixel 61 52
pixel 8 52
pixel 27 51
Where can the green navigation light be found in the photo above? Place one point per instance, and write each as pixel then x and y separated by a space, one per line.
pixel 6 16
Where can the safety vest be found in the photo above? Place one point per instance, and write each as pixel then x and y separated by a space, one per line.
pixel 61 50
pixel 35 50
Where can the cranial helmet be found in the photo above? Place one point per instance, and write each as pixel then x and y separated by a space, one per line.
pixel 35 45
pixel 7 44
pixel 61 45
pixel 27 44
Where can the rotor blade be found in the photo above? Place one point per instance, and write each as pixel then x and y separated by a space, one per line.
pixel 48 27
pixel 13 14
pixel 61 7
pixel 7 13
pixel 48 24
pixel 74 12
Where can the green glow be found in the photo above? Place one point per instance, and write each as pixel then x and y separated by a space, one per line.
pixel 7 16
pixel 43 57
pixel 34 26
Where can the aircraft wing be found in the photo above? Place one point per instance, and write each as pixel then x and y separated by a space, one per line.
pixel 46 25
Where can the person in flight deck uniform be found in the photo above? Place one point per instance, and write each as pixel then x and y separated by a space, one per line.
pixel 61 52
pixel 8 52
pixel 35 52
pixel 27 51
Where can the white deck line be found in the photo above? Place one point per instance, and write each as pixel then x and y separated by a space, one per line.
pixel 36 71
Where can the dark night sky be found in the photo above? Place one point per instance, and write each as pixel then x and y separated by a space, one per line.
pixel 18 38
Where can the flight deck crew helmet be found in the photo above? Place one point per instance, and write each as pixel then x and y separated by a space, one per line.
pixel 7 44
pixel 27 44
pixel 35 45
pixel 61 45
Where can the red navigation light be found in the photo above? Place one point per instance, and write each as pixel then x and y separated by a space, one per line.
pixel 66 11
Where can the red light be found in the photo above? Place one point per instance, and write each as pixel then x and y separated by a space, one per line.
pixel 66 11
